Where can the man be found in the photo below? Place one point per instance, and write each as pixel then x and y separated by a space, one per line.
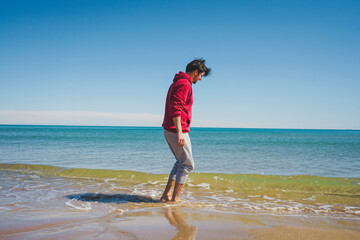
pixel 176 126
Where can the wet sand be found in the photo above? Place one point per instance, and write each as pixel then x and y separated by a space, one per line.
pixel 171 222
pixel 282 232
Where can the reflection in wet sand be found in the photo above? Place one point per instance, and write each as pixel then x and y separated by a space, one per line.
pixel 184 231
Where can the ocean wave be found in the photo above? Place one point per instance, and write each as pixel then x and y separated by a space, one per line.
pixel 334 186
pixel 238 192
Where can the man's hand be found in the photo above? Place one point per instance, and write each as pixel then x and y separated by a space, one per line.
pixel 177 123
pixel 181 140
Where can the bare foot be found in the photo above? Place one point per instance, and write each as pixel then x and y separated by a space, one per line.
pixel 165 199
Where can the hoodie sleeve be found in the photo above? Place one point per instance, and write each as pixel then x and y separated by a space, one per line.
pixel 179 98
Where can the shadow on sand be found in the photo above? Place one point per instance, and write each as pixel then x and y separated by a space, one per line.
pixel 111 198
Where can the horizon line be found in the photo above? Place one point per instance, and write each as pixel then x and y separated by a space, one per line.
pixel 133 126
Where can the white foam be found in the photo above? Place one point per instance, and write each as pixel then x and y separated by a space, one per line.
pixel 218 178
pixel 140 185
pixel 312 198
pixel 146 192
pixel 346 208
pixel 327 207
pixel 293 209
pixel 34 187
pixel 110 179
pixel 34 176
pixel 203 185
pixel 277 209
pixel 78 205
pixel 268 198
pixel 153 183
pixel 224 200
pixel 352 210
pixel 119 210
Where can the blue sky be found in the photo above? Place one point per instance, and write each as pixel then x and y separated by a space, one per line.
pixel 276 64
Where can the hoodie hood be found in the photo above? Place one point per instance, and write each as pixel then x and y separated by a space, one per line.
pixel 182 75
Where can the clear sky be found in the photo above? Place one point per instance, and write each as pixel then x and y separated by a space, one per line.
pixel 276 64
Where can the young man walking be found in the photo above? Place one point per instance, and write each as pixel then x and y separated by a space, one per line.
pixel 176 126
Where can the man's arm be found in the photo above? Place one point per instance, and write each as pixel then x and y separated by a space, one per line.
pixel 181 140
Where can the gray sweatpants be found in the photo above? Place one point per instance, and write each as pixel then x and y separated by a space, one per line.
pixel 184 161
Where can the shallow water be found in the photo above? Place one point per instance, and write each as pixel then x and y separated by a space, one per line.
pixel 32 186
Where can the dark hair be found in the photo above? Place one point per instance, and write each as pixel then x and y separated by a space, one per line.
pixel 198 64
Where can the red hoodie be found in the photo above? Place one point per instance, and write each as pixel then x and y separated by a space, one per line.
pixel 178 103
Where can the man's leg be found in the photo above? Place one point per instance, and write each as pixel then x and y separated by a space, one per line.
pixel 177 192
pixel 168 193
pixel 184 164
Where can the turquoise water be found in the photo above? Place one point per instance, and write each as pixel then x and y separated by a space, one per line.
pixel 330 153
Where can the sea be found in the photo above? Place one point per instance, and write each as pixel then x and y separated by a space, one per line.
pixel 95 168
pixel 327 153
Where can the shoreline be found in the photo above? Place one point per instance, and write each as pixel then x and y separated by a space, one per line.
pixel 223 192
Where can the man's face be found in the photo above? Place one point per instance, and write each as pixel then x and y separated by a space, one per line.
pixel 196 76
